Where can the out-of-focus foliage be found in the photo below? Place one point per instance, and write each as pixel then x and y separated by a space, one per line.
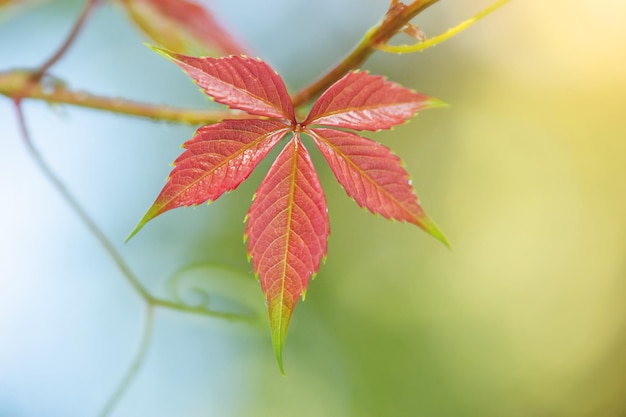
pixel 8 8
pixel 182 26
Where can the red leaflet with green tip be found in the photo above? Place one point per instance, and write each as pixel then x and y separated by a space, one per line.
pixel 217 159
pixel 287 224
pixel 239 82
pixel 362 101
pixel 287 231
pixel 372 175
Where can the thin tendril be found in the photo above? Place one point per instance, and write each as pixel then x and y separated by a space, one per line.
pixel 101 237
pixel 184 308
pixel 135 365
pixel 76 207
pixel 67 43
pixel 150 300
pixel 80 22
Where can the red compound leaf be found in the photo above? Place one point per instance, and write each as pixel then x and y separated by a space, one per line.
pixel 288 226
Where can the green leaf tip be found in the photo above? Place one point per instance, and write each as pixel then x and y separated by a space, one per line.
pixel 278 343
pixel 169 55
pixel 156 49
pixel 278 351
pixel 280 315
pixel 432 229
pixel 434 103
pixel 135 231
pixel 150 214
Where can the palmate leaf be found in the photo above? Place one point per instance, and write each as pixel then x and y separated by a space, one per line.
pixel 239 82
pixel 287 234
pixel 287 225
pixel 183 26
pixel 362 101
pixel 216 160
pixel 372 175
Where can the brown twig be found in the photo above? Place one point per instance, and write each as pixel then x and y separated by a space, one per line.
pixel 78 25
pixel 36 77
pixel 398 15
pixel 18 85
pixel 14 85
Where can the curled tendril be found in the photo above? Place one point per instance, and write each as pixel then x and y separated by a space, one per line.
pixel 215 284
pixel 175 287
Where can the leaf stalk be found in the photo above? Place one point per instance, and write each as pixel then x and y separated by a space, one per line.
pixel 18 85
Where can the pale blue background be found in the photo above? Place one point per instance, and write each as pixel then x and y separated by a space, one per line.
pixel 524 317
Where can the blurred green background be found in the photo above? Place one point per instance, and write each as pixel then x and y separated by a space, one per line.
pixel 525 316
